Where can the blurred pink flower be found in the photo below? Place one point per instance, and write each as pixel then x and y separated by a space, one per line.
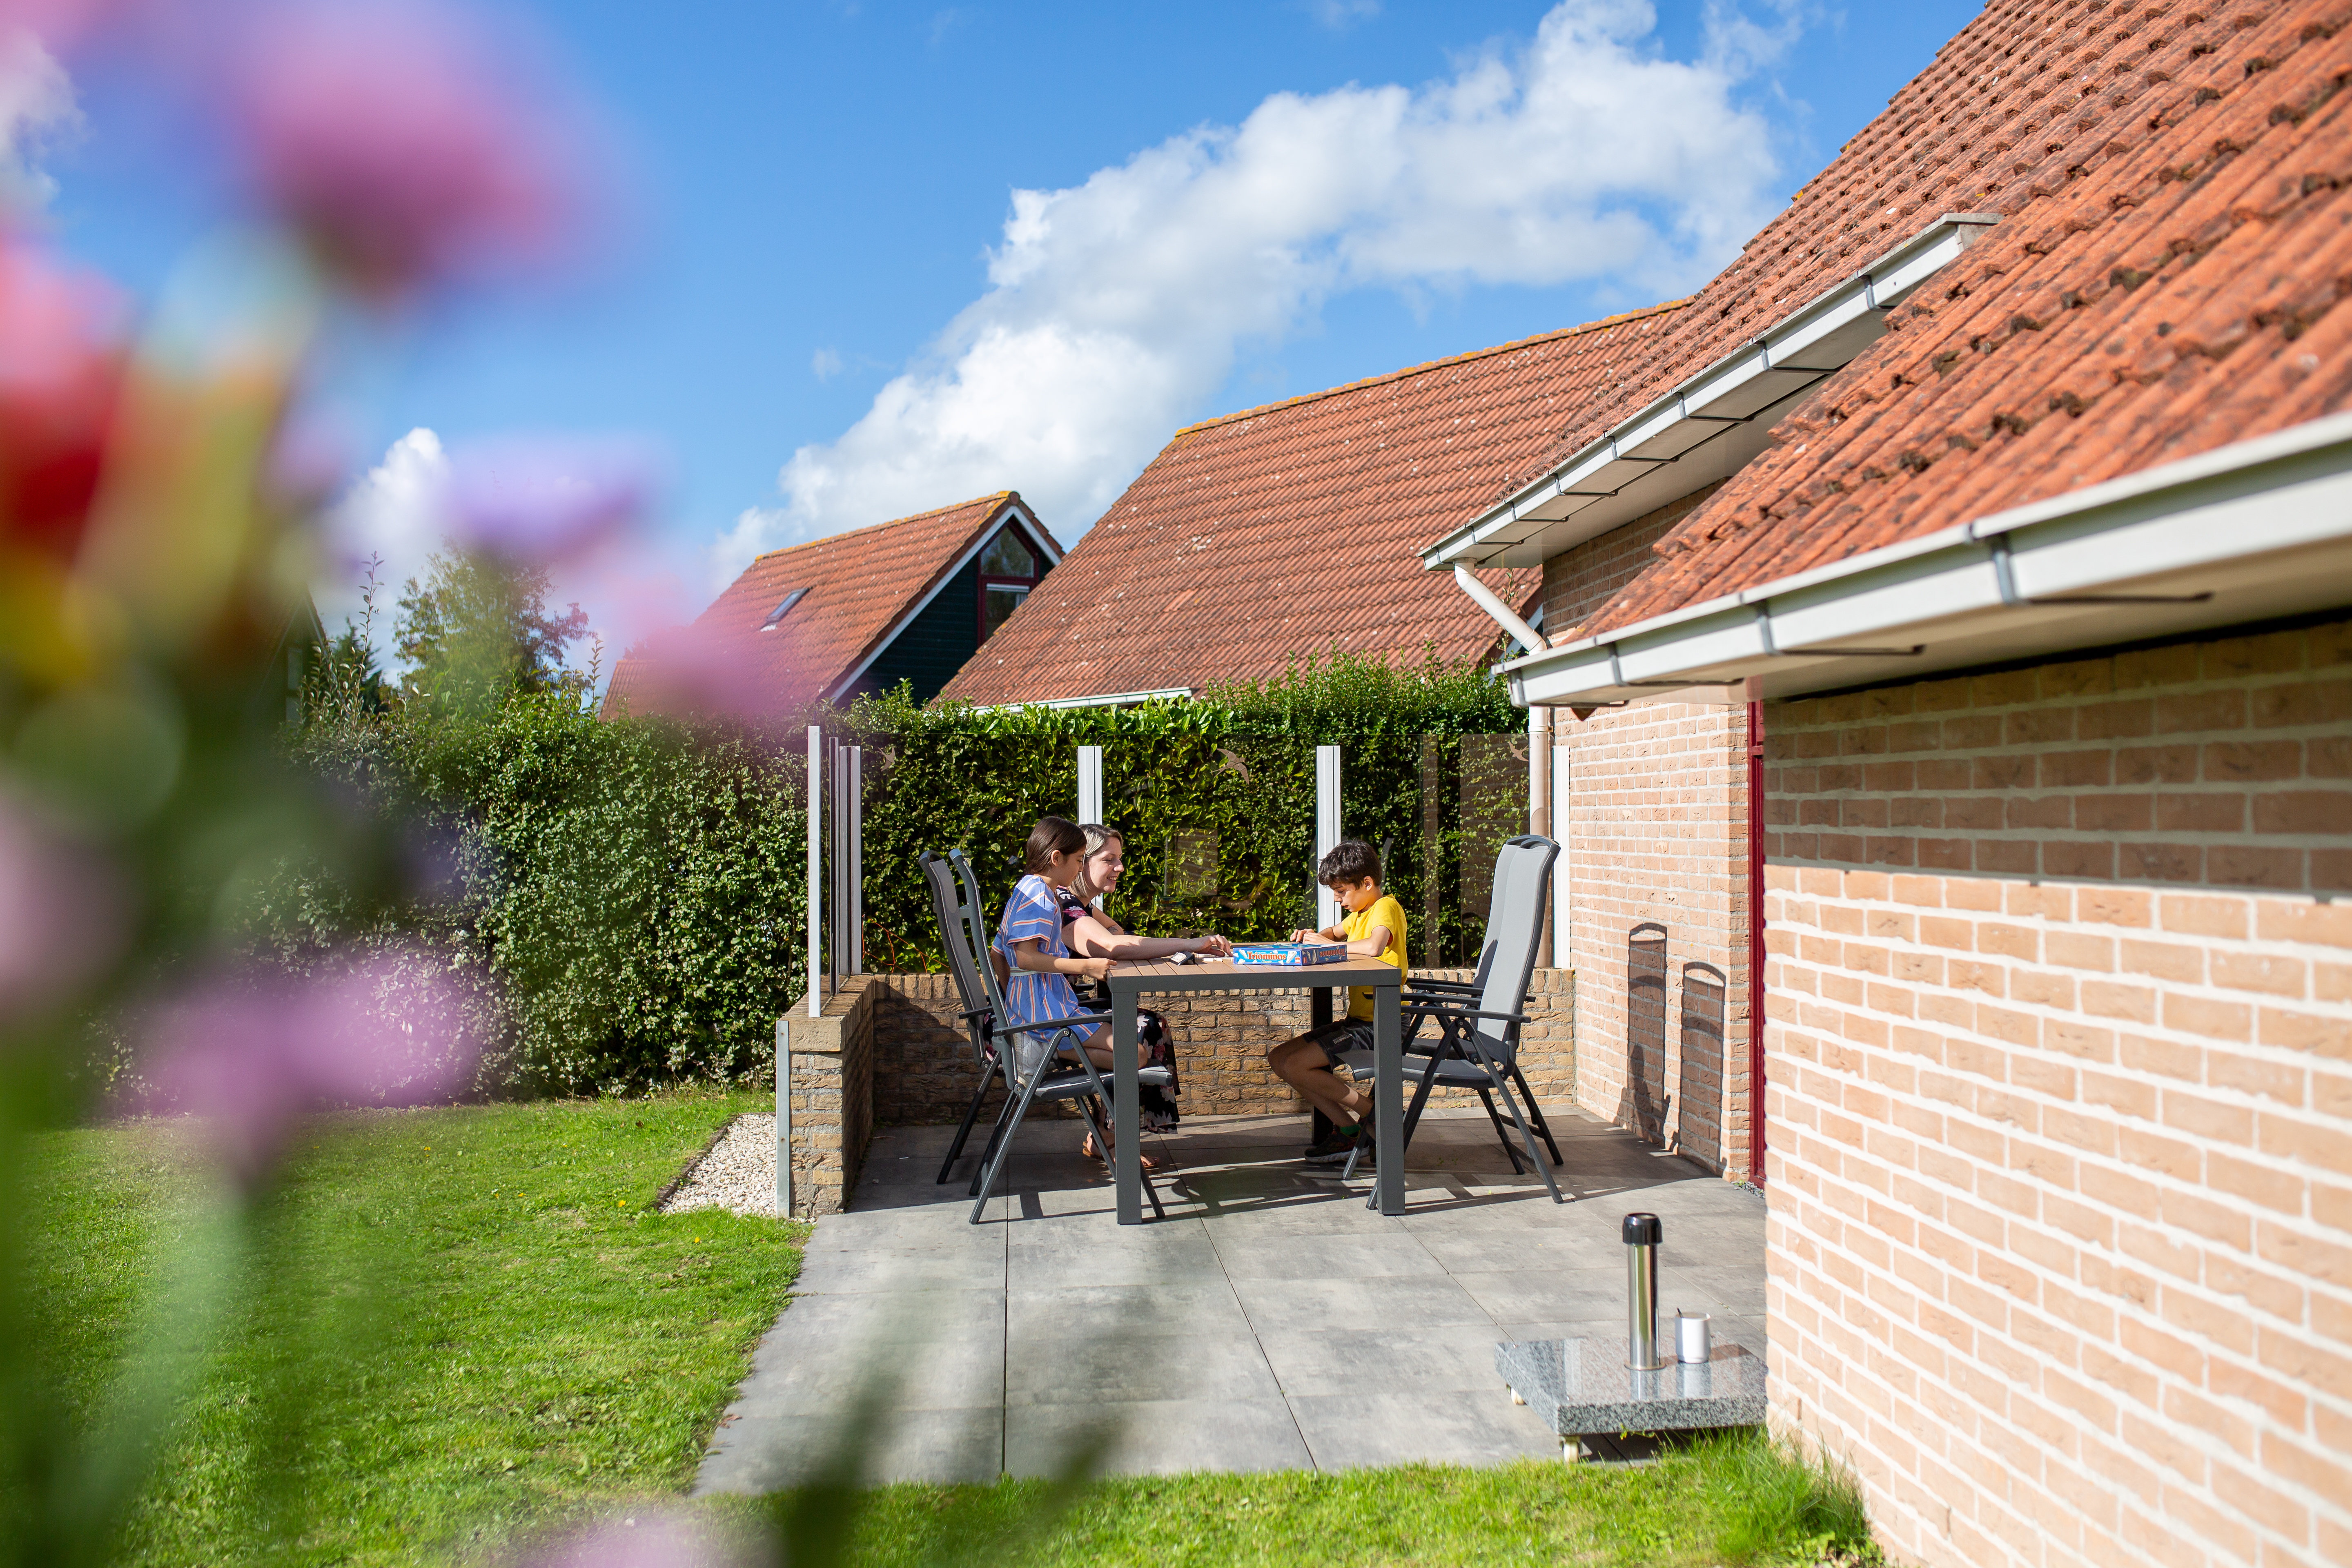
pixel 62 336
pixel 545 500
pixel 693 671
pixel 61 915
pixel 402 140
pixel 253 1051
pixel 650 1539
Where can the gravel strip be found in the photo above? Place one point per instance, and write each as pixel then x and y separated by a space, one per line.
pixel 738 1172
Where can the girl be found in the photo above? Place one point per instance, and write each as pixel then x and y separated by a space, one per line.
pixel 1031 939
pixel 1091 931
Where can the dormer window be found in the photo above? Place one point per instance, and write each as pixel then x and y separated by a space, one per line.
pixel 777 614
pixel 1008 570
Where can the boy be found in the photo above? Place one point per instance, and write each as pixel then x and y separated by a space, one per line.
pixel 1374 927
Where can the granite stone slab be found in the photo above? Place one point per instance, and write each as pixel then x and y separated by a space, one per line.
pixel 1583 1386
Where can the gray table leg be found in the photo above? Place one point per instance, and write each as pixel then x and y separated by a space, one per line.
pixel 1387 1099
pixel 1318 1012
pixel 1126 1053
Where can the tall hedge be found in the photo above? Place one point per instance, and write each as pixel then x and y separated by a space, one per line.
pixel 1237 762
pixel 636 887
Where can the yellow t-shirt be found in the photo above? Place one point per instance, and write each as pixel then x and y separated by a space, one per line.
pixel 1384 912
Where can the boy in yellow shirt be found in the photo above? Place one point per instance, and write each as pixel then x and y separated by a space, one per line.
pixel 1374 927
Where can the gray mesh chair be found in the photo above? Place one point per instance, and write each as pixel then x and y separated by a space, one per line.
pixel 1032 1067
pixel 1477 1045
pixel 959 915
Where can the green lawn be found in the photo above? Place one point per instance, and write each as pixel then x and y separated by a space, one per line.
pixel 455 1324
pixel 454 1329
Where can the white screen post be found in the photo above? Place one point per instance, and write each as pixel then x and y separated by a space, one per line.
pixel 1090 801
pixel 1327 827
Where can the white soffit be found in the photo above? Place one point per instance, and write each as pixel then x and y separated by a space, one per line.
pixel 1711 425
pixel 2256 530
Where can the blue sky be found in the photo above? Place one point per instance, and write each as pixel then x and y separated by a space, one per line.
pixel 819 188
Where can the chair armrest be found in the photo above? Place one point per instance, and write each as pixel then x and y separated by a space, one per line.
pixel 1074 1018
pixel 1448 1010
pixel 973 1013
pixel 1440 985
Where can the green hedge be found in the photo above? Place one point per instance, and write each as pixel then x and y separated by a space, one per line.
pixel 636 887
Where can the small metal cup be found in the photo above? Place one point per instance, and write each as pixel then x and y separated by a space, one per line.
pixel 1693 1336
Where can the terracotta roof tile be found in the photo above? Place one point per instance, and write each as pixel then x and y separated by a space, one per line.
pixel 2169 289
pixel 859 584
pixel 1280 530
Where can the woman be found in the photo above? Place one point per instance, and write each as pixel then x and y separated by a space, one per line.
pixel 1091 931
pixel 1039 962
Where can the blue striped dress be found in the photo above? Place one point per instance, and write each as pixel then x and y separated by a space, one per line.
pixel 1032 911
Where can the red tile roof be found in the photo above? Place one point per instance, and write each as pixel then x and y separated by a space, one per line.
pixel 1280 530
pixel 860 585
pixel 2174 235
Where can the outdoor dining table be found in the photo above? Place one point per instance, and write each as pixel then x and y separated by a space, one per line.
pixel 1129 983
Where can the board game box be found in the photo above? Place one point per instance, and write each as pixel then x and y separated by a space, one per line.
pixel 1289 955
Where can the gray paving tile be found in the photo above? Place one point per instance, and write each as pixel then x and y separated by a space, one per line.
pixel 1531 1294
pixel 1438 1427
pixel 1077 1311
pixel 1274 1302
pixel 1409 1301
pixel 1162 1436
pixel 1056 1369
pixel 1364 1256
pixel 1319 1361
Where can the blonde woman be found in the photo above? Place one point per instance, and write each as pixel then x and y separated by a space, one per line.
pixel 1090 932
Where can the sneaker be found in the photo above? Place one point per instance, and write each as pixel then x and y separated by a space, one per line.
pixel 1333 1150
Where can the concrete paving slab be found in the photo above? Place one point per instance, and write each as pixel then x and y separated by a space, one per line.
pixel 1271 1321
pixel 1155 1436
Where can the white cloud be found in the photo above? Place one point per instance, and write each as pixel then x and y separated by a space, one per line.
pixel 396 511
pixel 825 364
pixel 1116 307
pixel 1341 15
pixel 36 109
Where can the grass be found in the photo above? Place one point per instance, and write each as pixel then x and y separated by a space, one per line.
pixel 454 1330
pixel 1732 1499
pixel 452 1326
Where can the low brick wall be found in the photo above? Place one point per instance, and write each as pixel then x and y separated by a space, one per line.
pixel 923 1069
pixel 891 1049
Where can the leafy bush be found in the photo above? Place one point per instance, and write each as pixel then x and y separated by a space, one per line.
pixel 638 886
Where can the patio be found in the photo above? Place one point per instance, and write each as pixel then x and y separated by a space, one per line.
pixel 1269 1322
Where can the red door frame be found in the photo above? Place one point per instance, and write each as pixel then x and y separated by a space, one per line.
pixel 1756 941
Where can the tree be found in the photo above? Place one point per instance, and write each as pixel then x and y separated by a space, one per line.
pixel 477 631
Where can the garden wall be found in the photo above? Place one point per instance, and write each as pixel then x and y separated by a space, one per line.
pixel 890 1049
pixel 2061 1102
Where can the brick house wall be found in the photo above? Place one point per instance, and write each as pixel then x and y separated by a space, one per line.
pixel 1654 858
pixel 2060 1102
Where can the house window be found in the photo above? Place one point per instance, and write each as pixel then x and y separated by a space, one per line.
pixel 1007 571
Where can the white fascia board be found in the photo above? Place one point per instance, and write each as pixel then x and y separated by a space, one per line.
pixel 2287 491
pixel 1009 512
pixel 1782 346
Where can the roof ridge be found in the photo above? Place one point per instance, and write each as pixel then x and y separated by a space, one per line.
pixel 1427 365
pixel 999 498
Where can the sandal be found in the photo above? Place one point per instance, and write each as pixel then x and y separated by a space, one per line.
pixel 1088 1149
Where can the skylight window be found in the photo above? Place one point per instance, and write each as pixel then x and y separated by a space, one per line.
pixel 777 614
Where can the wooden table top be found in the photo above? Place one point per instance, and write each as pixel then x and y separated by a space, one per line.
pixel 1222 974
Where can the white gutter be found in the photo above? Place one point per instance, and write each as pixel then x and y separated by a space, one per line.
pixel 1505 616
pixel 1711 424
pixel 2257 530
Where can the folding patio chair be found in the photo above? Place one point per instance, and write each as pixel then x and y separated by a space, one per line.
pixel 1033 1071
pixel 958 918
pixel 1477 1047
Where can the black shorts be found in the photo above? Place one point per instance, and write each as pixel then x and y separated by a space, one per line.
pixel 1340 1038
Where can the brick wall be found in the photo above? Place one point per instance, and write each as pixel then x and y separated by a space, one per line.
pixel 922 1071
pixel 1656 861
pixel 2061 1103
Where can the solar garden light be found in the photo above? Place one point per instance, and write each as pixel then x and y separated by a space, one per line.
pixel 1642 1233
